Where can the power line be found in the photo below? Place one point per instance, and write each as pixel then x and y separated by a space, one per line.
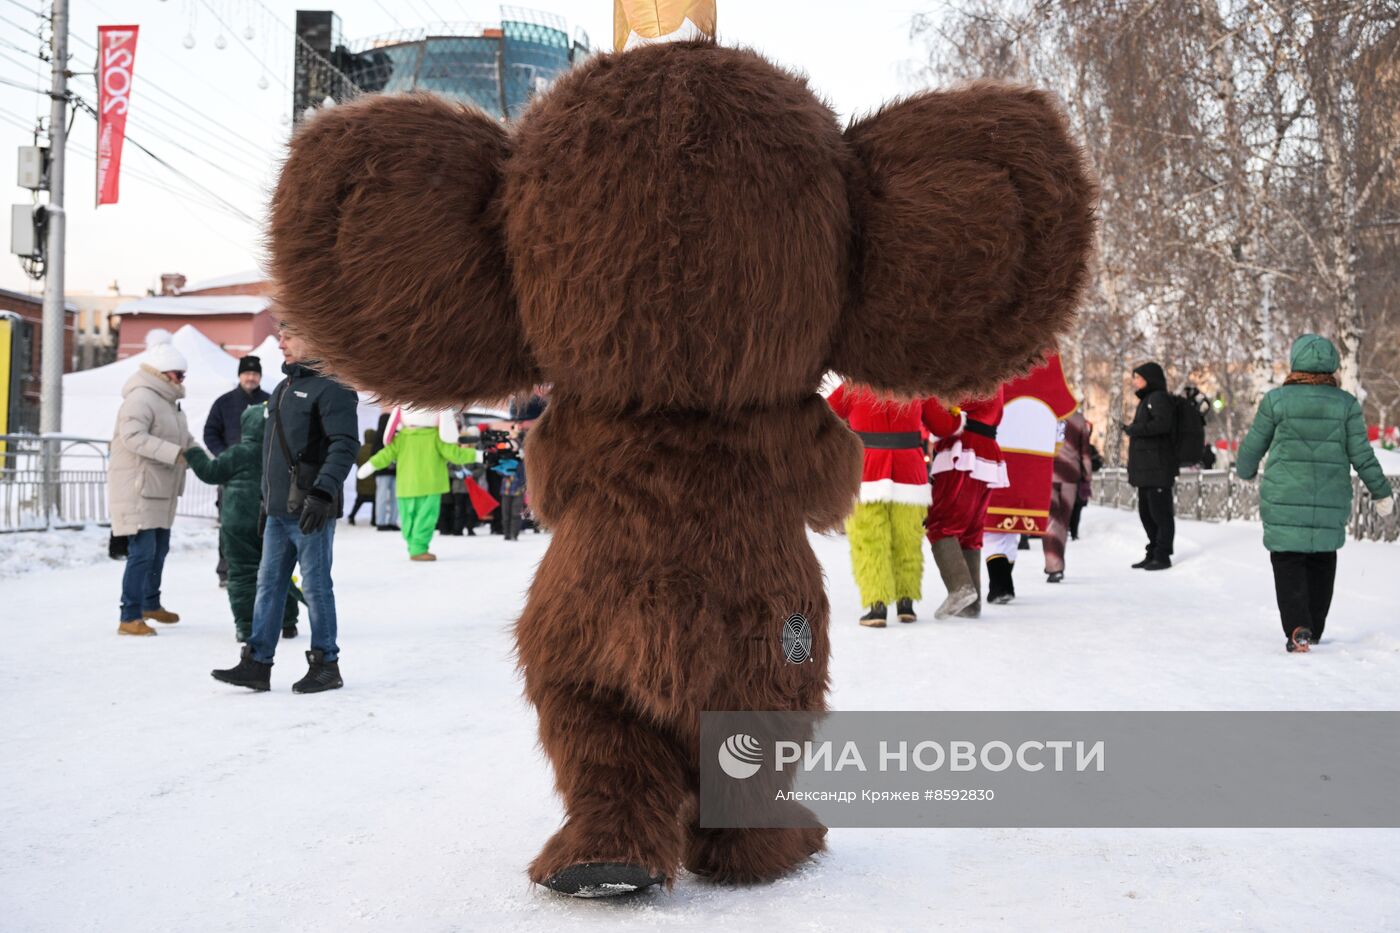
pixel 380 4
pixel 23 87
pixel 226 206
pixel 32 32
pixel 186 197
pixel 25 8
pixel 239 39
pixel 142 118
pixel 258 151
pixel 92 112
pixel 352 87
pixel 18 48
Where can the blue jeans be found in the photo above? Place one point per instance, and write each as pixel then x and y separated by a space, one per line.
pixel 145 561
pixel 284 546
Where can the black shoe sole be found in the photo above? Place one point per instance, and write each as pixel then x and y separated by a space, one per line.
pixel 256 688
pixel 601 879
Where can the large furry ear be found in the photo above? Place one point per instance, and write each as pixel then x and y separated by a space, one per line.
pixel 974 219
pixel 387 251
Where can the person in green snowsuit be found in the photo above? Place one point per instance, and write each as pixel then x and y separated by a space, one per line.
pixel 422 457
pixel 1314 433
pixel 239 470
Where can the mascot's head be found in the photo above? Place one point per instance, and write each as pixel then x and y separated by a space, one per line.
pixel 682 227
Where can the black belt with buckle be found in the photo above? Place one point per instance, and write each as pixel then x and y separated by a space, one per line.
pixel 977 427
pixel 891 440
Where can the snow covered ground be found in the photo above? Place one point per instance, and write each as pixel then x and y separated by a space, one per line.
pixel 136 793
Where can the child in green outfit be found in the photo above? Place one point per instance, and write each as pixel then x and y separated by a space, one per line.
pixel 422 457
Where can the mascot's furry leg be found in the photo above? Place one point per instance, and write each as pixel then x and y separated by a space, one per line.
pixel 624 781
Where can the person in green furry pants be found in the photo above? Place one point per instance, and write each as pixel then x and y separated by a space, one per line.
pixel 239 470
pixel 422 456
pixel 886 530
pixel 887 554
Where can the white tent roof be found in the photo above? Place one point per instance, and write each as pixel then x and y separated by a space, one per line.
pixel 91 397
pixel 270 355
pixel 186 305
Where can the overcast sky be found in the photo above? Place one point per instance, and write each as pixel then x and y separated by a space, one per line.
pixel 203 111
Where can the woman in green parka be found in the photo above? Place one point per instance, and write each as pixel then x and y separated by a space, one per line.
pixel 239 471
pixel 1314 434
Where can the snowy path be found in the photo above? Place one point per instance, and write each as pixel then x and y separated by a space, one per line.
pixel 138 794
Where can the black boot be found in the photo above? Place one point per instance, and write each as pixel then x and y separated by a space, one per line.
pixel 875 618
pixel 1000 589
pixel 249 673
pixel 904 608
pixel 1145 561
pixel 289 630
pixel 320 675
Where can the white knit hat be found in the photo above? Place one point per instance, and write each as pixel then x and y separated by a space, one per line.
pixel 164 358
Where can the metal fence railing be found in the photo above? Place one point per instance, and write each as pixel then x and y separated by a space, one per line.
pixel 1219 496
pixel 60 481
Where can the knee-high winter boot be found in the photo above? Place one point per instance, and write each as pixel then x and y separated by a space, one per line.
pixel 1000 589
pixel 961 593
pixel 974 568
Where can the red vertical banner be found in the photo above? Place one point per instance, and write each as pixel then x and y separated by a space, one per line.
pixel 116 64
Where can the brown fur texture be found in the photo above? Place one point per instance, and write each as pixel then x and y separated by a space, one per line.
pixel 680 238
pixel 387 252
pixel 975 215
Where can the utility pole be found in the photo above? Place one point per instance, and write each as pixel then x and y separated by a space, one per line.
pixel 51 384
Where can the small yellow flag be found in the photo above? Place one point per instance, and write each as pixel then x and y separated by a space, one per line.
pixel 642 22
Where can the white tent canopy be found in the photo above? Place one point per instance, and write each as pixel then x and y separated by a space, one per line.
pixel 91 397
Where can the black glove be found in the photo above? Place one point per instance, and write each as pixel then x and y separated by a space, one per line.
pixel 315 510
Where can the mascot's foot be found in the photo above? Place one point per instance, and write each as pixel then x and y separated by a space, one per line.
pixel 751 856
pixel 601 879
pixel 617 861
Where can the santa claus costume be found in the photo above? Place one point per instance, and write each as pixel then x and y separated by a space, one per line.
pixel 886 528
pixel 1036 404
pixel 967 466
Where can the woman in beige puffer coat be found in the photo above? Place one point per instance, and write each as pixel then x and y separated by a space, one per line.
pixel 145 477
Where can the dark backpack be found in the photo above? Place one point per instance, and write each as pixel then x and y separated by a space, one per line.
pixel 1189 426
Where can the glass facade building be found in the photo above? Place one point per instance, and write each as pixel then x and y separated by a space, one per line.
pixel 496 68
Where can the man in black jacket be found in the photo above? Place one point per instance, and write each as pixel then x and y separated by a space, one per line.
pixel 222 430
pixel 1152 464
pixel 309 449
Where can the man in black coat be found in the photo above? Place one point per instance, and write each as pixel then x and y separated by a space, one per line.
pixel 1152 464
pixel 309 449
pixel 222 430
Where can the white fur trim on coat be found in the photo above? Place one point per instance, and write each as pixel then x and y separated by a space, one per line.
pixel 887 490
pixel 991 472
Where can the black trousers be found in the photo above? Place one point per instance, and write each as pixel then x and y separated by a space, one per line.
pixel 360 500
pixel 221 568
pixel 1074 517
pixel 1303 584
pixel 1158 514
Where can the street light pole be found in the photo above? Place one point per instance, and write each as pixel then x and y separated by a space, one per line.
pixel 51 364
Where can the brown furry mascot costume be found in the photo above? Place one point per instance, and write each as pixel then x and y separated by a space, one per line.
pixel 683 241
